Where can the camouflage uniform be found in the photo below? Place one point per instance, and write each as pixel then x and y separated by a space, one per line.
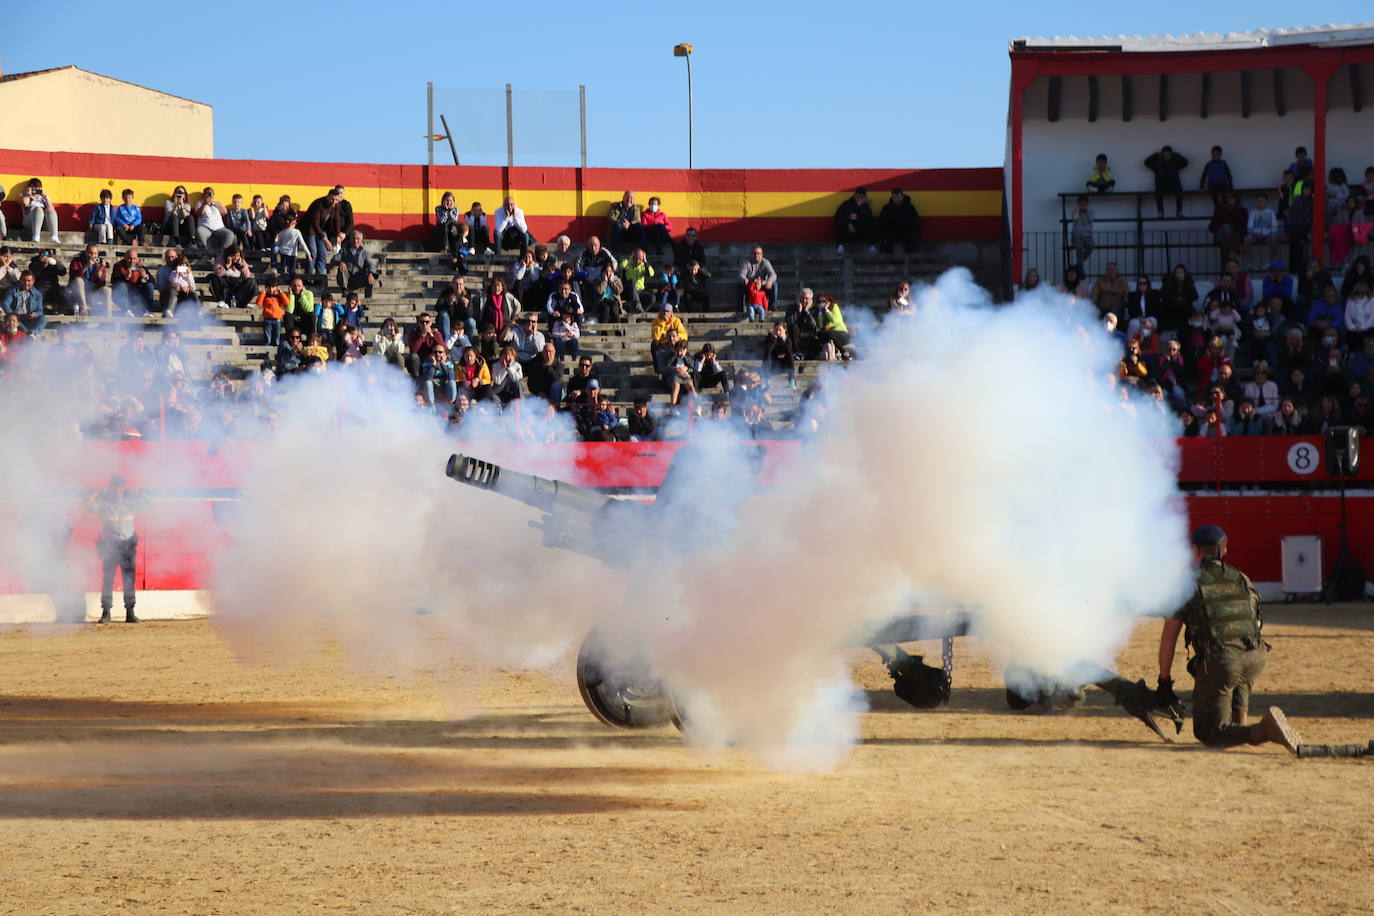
pixel 1222 626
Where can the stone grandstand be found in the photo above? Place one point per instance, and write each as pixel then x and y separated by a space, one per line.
pixel 411 279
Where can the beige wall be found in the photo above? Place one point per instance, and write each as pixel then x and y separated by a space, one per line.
pixel 72 110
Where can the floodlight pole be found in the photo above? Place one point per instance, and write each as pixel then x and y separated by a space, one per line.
pixel 684 50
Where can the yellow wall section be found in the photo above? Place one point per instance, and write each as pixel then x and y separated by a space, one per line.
pixel 542 202
pixel 72 110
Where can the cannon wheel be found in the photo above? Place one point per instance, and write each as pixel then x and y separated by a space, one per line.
pixel 625 698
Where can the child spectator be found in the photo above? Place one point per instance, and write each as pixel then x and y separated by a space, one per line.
pixel 102 222
pixel 1167 166
pixel 1100 179
pixel 1262 228
pixel 755 301
pixel 175 284
pixel 316 349
pixel 709 371
pixel 352 346
pixel 290 243
pixel 641 425
pixel 678 376
pixel 487 344
pixel 1216 177
pixel 605 424
pixel 328 315
pixel 1073 284
pixel 281 214
pixel 128 220
pixel 354 312
pixel 1337 192
pixel 479 233
pixel 695 296
pixel 258 217
pixel 1302 165
pixel 1230 223
pixel 668 283
pixel 566 334
pixel 1259 335
pixel 440 374
pixel 238 221
pixel 474 377
pixel 1081 232
pixel 274 302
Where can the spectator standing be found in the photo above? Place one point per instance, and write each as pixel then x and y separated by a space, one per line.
pixel 128 220
pixel 1167 167
pixel 1216 177
pixel 1297 224
pixel 625 223
pixel 274 302
pixel 854 222
pixel 322 230
pixel 1229 224
pixel 1081 232
pixel 117 506
pixel 39 212
pixel 258 217
pixel 288 245
pixel 283 213
pixel 345 209
pixel 658 228
pixel 102 222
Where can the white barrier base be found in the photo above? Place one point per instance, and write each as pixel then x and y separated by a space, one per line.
pixel 85 607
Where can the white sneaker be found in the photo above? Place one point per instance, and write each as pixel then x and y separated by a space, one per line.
pixel 839 249
pixel 55 240
pixel 488 253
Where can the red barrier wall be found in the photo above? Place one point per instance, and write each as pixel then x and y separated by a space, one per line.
pixel 179 537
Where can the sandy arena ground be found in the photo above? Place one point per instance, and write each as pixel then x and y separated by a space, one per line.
pixel 143 769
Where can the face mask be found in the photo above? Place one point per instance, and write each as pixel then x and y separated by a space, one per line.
pixel 1328 341
pixel 1145 332
pixel 1195 323
pixel 653 208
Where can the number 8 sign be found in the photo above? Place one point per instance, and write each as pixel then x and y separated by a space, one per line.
pixel 1303 458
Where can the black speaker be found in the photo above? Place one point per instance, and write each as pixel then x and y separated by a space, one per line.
pixel 1343 451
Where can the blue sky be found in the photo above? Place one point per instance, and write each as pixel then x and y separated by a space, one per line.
pixel 802 84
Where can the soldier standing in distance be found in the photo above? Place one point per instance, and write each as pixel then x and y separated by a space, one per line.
pixel 116 505
pixel 1223 627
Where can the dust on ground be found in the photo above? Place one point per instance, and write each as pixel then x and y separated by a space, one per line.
pixel 144 769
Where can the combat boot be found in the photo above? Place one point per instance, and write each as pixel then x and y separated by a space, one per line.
pixel 104 615
pixel 1274 728
pixel 129 616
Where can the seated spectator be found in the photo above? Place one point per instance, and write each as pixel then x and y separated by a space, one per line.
pixel 1230 223
pixel 662 351
pixel 455 308
pixel 834 333
pixel 175 284
pixel 1261 391
pixel 389 344
pixel 232 281
pixel 1342 231
pixel 563 301
pixel 25 301
pixel 128 220
pixel 474 378
pixel 755 301
pixel 561 254
pixel 899 223
pixel 694 296
pixel 1246 422
pixel 666 321
pixel 512 231
pixel 1328 415
pixel 899 303
pixel 1208 368
pixel 87 278
pixel 1143 302
pixel 1132 368
pixel 545 375
pixel 757 271
pixel 209 214
pixel 636 273
pixel 593 258
pixel 47 277
pixel 102 221
pixel 328 316
pixel 1030 281
pixel 1178 298
pixel 605 296
pixel 132 285
pixel 526 274
pixel 12 339
pixel 1100 179
pixel 1362 362
pixel 565 335
pixel 274 301
pixel 624 222
pixel 749 389
pixel 316 352
pixel 423 340
pixel 756 425
pixel 582 402
pixel 1172 373
pixel 506 376
pixel 1146 340
pixel 356 267
pixel 1327 311
pixel 1073 284
pixel 440 378
pixel 803 326
pixel 1261 228
pixel 39 212
pixel 499 307
pixel 447 219
pixel 479 230
pixel 352 345
pixel 526 338
pixel 678 376
pixel 778 355
pixel 178 224
pixel 4 227
pixel 1258 336
pixel 1286 421
pixel 1223 319
pixel 688 250
pixel 1167 167
pixel 1314 279
pixel 658 228
pixel 605 424
pixel 1110 291
pixel 709 371
pixel 641 425
pixel 354 312
pixel 300 313
pixel 9 270
pixel 1359 316
pixel 854 222
pixel 668 286
pixel 1241 283
pixel 1359 272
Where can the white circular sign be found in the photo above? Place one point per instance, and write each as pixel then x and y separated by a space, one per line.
pixel 1303 458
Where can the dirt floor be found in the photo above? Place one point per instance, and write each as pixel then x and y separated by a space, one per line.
pixel 143 769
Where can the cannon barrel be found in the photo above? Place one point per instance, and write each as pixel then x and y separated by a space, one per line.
pixel 575 518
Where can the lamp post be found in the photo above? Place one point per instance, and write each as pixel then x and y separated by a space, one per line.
pixel 685 50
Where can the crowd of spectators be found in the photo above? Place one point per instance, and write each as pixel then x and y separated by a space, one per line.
pixel 1250 350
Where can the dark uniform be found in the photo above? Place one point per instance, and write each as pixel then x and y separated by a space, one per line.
pixel 118 543
pixel 1222 626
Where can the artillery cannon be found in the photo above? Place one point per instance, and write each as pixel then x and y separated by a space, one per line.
pixel 616 682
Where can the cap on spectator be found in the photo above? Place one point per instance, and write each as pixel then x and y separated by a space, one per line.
pixel 593 383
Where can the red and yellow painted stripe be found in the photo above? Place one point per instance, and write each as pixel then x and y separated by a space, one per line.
pixel 397 201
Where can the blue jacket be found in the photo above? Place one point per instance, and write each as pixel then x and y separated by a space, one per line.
pixel 10 305
pixel 1216 172
pixel 102 214
pixel 1334 314
pixel 128 215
